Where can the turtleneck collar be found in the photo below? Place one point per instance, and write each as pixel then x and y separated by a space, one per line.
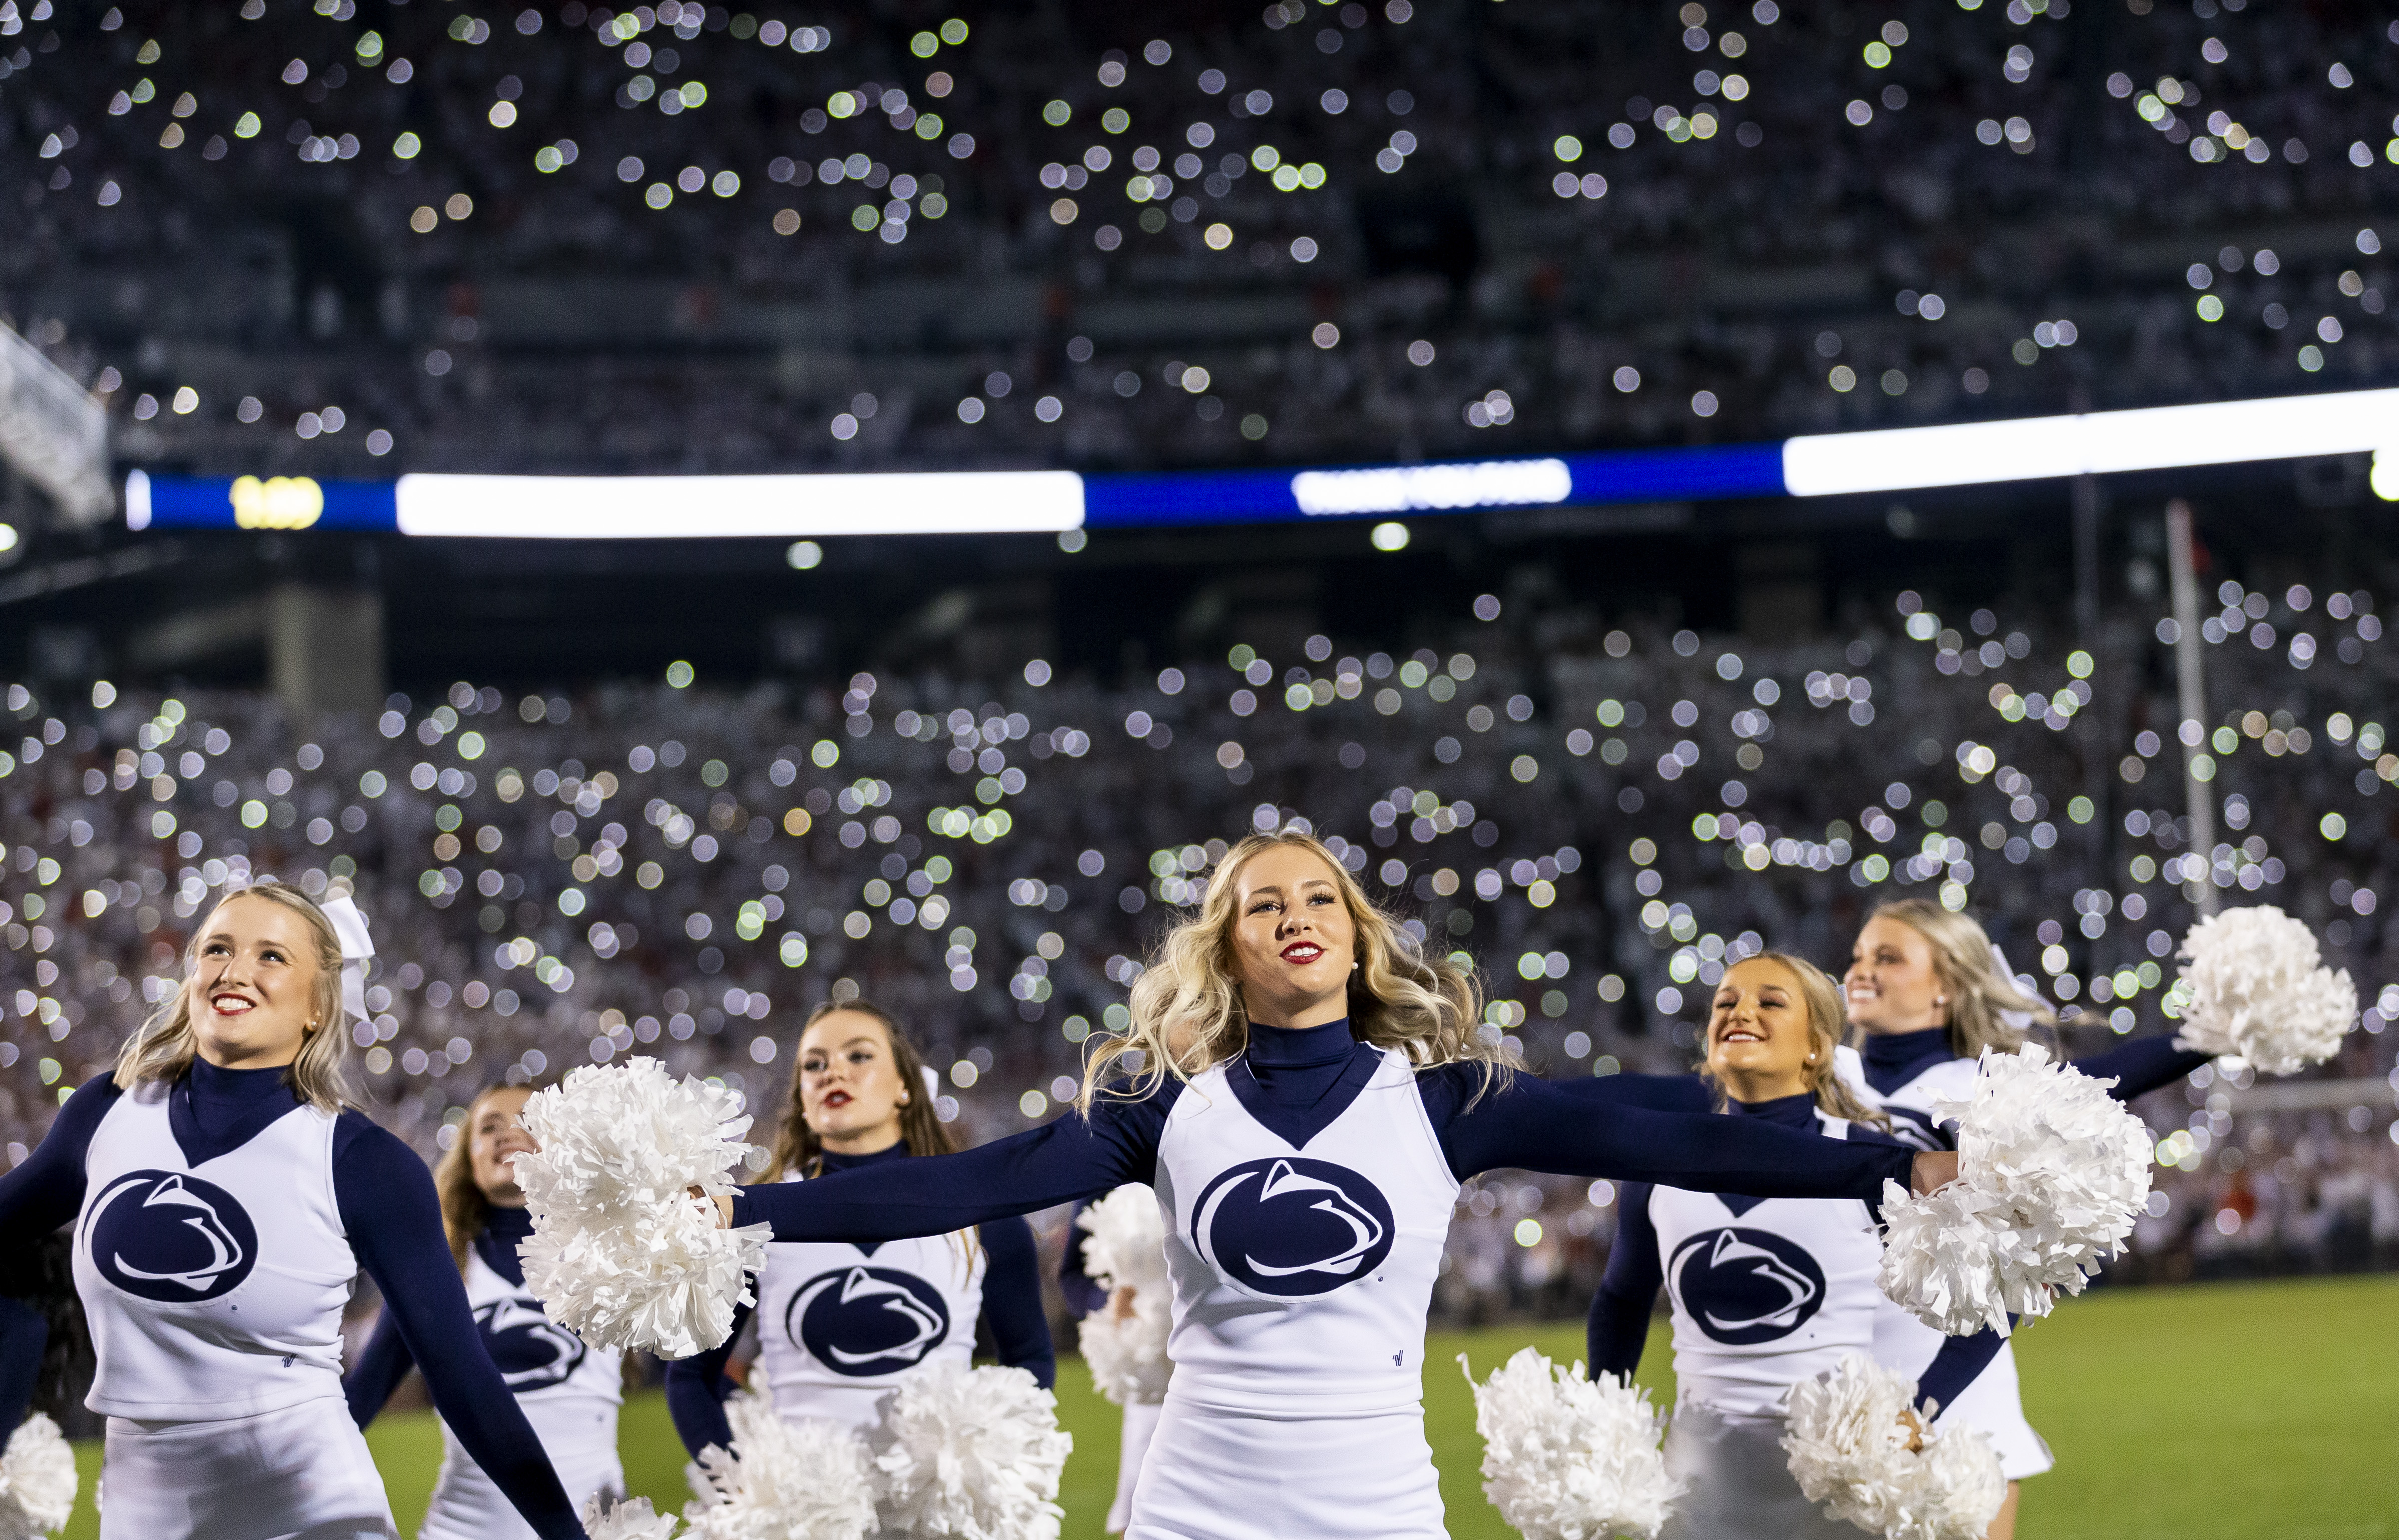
pixel 504 1230
pixel 1298 1048
pixel 1790 1111
pixel 212 1111
pixel 1893 1059
pixel 830 1162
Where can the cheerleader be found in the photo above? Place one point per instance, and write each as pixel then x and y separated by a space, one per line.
pixel 839 1325
pixel 1766 1293
pixel 1327 1090
pixel 1085 1297
pixel 569 1390
pixel 224 1200
pixel 1926 996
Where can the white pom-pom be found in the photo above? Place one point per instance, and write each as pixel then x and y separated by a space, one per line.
pixel 627 1520
pixel 808 1479
pixel 1126 1244
pixel 1848 1451
pixel 621 1254
pixel 2051 1174
pixel 1567 1458
pixel 37 1480
pixel 975 1454
pixel 2258 991
pixel 1126 1248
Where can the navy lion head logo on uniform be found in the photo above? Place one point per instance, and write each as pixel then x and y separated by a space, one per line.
pixel 167 1235
pixel 867 1320
pixel 1289 1228
pixel 1743 1286
pixel 532 1351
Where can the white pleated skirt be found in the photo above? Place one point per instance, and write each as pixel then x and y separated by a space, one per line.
pixel 1140 1427
pixel 1995 1404
pixel 1213 1474
pixel 1737 1482
pixel 302 1473
pixel 581 1442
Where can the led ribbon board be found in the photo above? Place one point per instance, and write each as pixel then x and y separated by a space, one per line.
pixel 636 507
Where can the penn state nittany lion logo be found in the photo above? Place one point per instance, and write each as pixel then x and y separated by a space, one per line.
pixel 533 1351
pixel 1289 1228
pixel 1744 1286
pixel 866 1321
pixel 167 1235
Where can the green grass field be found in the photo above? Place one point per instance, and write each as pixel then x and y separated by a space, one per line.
pixel 2249 1411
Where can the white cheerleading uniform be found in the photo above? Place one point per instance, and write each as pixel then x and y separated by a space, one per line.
pixel 1765 1293
pixel 1993 1402
pixel 841 1325
pixel 214 1294
pixel 570 1393
pixel 1301 1287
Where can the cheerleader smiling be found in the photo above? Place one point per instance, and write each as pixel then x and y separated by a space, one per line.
pixel 1311 1090
pixel 1765 1293
pixel 841 1325
pixel 225 1198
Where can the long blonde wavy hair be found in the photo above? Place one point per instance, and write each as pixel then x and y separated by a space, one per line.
pixel 1825 1019
pixel 165 1045
pixel 1965 963
pixel 1186 1008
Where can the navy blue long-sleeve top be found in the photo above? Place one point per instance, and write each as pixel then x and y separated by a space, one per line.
pixel 697 1386
pixel 23 1335
pixel 1295 1081
pixel 1083 1294
pixel 393 1220
pixel 1619 1326
pixel 385 1361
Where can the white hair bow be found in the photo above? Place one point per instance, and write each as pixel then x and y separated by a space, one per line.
pixel 357 951
pixel 2020 1020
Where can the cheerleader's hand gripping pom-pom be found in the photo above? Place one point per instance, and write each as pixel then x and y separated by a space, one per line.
pixel 2051 1174
pixel 627 1520
pixel 37 1480
pixel 974 1455
pixel 809 1479
pixel 622 1252
pixel 1125 1248
pixel 1848 1449
pixel 2256 990
pixel 1567 1458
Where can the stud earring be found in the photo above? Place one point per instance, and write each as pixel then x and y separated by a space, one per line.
pixel 904 1099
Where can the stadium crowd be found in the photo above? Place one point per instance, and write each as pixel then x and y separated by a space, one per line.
pixel 1600 817
pixel 1318 232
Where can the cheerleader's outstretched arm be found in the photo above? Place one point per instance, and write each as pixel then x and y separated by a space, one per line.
pixel 696 1387
pixel 386 1199
pixel 382 1363
pixel 1618 1328
pixel 1657 1093
pixel 1961 1360
pixel 1011 1301
pixel 1531 1125
pixel 46 1189
pixel 2139 1068
pixel 1070 1157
